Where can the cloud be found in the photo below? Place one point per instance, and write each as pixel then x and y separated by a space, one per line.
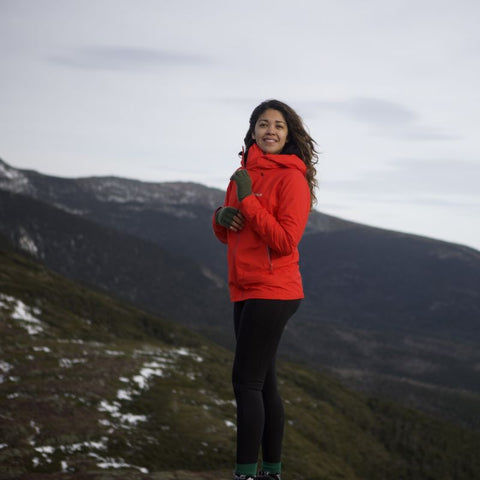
pixel 126 58
pixel 384 117
pixel 436 181
pixel 438 176
pixel 377 112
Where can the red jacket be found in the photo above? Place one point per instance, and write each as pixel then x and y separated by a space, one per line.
pixel 263 256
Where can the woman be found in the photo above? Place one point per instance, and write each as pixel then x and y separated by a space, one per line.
pixel 262 221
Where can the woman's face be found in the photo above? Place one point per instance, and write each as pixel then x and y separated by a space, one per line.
pixel 271 131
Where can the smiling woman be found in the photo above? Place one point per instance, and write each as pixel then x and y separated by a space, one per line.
pixel 262 221
pixel 271 131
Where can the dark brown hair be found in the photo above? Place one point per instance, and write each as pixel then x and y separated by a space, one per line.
pixel 299 142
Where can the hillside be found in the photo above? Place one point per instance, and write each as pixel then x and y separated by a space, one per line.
pixel 131 268
pixel 92 388
pixel 391 314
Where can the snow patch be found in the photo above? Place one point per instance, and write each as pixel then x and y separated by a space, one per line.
pixel 182 351
pixel 89 445
pixel 145 374
pixel 186 352
pixel 79 341
pixel 158 364
pixel 36 429
pixel 114 353
pixel 27 244
pixel 229 424
pixel 116 463
pixel 124 394
pixel 69 362
pixel 174 198
pixel 125 420
pixel 25 315
pixel 9 173
pixel 41 349
pixel 5 367
pixel 220 402
pixel 47 451
pixel 13 180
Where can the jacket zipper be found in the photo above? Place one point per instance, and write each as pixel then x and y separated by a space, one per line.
pixel 269 259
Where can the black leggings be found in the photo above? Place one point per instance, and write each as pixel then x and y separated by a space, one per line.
pixel 259 325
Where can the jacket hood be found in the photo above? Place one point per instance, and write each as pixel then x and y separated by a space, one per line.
pixel 257 159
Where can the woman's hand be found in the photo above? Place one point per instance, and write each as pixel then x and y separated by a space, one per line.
pixel 244 183
pixel 230 218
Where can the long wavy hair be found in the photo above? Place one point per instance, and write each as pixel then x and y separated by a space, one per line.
pixel 299 142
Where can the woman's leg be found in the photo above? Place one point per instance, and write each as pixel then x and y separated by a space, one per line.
pixel 274 418
pixel 259 325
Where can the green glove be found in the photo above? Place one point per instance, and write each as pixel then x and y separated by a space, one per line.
pixel 244 184
pixel 224 216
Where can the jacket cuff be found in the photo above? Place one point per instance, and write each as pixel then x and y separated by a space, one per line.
pixel 249 205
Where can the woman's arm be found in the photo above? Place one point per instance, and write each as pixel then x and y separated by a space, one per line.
pixel 219 231
pixel 231 219
pixel 283 232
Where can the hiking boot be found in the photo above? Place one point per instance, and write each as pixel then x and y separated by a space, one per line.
pixel 268 476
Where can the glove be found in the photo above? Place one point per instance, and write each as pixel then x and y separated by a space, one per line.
pixel 244 184
pixel 224 216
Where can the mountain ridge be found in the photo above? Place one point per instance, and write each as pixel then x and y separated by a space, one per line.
pixel 386 311
pixel 115 189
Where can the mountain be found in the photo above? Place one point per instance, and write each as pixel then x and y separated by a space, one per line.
pixel 131 268
pixel 392 314
pixel 92 388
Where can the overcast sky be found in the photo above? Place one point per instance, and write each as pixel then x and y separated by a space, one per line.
pixel 162 90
